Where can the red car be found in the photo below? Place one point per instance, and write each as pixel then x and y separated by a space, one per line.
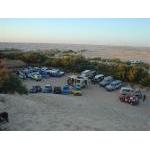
pixel 133 100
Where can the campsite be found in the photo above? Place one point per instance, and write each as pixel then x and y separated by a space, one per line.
pixel 96 109
pixel 41 91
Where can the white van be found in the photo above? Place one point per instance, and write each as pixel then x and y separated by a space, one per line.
pixel 75 80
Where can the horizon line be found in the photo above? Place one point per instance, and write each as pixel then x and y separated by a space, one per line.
pixel 91 44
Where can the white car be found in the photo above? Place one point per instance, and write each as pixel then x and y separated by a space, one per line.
pixel 126 90
pixel 98 77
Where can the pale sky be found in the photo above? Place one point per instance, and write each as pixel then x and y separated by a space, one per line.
pixel 134 32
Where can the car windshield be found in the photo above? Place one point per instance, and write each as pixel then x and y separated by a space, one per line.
pixel 66 87
pixel 107 79
pixel 113 84
pixel 47 86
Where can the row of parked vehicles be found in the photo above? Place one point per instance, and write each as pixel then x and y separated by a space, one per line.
pixel 66 89
pixel 127 94
pixel 88 76
pixel 38 73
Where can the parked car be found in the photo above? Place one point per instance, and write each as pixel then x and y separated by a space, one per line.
pixel 35 89
pixel 44 68
pixel 114 85
pixel 36 76
pixel 57 90
pixel 132 92
pixel 35 69
pixel 139 94
pixel 77 91
pixel 126 91
pixel 92 75
pixel 88 73
pixel 21 75
pixel 29 75
pixel 44 74
pixel 133 100
pixel 55 72
pixel 98 78
pixel 66 89
pixel 47 89
pixel 107 80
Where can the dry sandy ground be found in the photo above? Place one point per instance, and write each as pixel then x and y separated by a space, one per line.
pixel 97 109
pixel 105 51
pixel 122 54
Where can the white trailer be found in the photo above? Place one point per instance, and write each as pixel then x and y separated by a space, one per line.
pixel 81 81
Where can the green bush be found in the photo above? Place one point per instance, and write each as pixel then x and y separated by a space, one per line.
pixel 11 85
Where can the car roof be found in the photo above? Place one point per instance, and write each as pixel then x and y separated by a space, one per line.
pixel 85 71
pixel 47 85
pixel 126 88
pixel 73 76
pixel 108 77
pixel 99 75
pixel 116 81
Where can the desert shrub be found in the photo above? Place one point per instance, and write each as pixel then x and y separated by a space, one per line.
pixel 10 83
pixel 136 73
pixel 33 58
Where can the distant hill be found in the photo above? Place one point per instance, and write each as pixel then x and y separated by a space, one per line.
pixel 10 50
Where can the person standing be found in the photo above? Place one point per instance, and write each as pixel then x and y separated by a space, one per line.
pixel 144 97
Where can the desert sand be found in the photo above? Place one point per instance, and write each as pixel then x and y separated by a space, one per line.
pixel 97 109
pixel 122 53
pixel 105 51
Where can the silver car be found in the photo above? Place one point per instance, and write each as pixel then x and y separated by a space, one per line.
pixel 114 85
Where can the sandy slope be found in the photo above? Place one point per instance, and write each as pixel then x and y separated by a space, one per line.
pixel 97 109
pixel 123 54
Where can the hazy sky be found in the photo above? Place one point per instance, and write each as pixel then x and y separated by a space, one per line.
pixel 134 32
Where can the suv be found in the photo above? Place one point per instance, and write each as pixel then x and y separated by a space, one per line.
pixel 126 91
pixel 66 89
pixel 35 89
pixel 114 85
pixel 57 90
pixel 88 73
pixel 98 78
pixel 107 80
pixel 47 89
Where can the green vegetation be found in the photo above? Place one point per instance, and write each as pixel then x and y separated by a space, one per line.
pixel 9 83
pixel 136 73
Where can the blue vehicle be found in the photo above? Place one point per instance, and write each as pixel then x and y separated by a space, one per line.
pixel 116 84
pixel 35 89
pixel 47 89
pixel 77 87
pixel 44 74
pixel 66 89
pixel 106 81
pixel 77 91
